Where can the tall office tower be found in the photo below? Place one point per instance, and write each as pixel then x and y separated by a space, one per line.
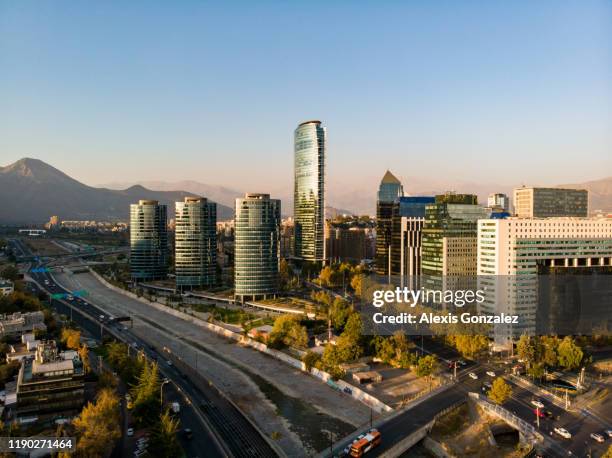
pixel 499 201
pixel 389 191
pixel 407 226
pixel 515 249
pixel 195 251
pixel 148 241
pixel 257 246
pixel 310 144
pixel 550 202
pixel 449 241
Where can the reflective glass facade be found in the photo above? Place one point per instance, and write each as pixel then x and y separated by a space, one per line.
pixel 309 191
pixel 257 246
pixel 148 241
pixel 195 243
pixel 389 191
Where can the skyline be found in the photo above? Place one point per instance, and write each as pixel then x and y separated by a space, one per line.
pixel 452 88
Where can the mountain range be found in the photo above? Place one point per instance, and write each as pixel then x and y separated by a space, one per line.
pixel 31 191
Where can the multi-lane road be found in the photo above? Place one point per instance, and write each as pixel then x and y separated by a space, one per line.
pixel 220 429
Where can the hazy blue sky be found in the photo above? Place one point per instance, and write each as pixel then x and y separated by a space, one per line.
pixel 500 91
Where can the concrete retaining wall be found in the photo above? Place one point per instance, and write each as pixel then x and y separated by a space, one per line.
pixel 340 385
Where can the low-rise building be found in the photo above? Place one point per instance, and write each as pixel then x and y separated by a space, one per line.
pixel 6 287
pixel 25 349
pixel 49 385
pixel 20 323
pixel 261 332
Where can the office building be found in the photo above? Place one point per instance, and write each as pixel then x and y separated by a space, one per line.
pixel 389 190
pixel 346 244
pixel 498 202
pixel 195 249
pixel 449 235
pixel 51 385
pixel 512 252
pixel 310 146
pixel 532 202
pixel 148 241
pixel 407 226
pixel 257 247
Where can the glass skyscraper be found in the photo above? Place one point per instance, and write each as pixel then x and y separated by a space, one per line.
pixel 257 246
pixel 309 192
pixel 148 241
pixel 389 190
pixel 195 257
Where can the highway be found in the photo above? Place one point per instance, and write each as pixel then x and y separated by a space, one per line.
pixel 222 430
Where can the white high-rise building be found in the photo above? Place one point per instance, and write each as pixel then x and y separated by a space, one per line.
pixel 513 251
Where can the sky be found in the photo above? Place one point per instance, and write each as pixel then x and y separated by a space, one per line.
pixel 471 91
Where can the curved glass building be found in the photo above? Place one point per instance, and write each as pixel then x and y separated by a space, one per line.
pixel 148 241
pixel 195 255
pixel 256 246
pixel 309 191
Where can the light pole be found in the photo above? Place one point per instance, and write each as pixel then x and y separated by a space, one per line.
pixel 161 394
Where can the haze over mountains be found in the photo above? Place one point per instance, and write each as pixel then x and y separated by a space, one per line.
pixel 31 191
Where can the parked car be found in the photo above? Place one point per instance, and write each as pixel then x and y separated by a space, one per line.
pixel 563 433
pixel 598 437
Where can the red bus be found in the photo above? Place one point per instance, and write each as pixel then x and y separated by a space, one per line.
pixel 367 443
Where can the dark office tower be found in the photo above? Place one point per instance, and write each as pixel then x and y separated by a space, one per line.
pixel 309 192
pixel 148 241
pixel 195 258
pixel 550 202
pixel 389 190
pixel 408 222
pixel 257 246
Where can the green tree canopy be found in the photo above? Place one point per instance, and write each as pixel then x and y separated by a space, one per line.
pixel 500 391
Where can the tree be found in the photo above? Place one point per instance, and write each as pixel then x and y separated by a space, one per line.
pixel 536 371
pixel 284 273
pixel 71 338
pixel 84 355
pixel 331 360
pixel 525 349
pixel 469 345
pixel 163 439
pixel 98 425
pixel 310 359
pixel 288 331
pixel 608 453
pixel 146 393
pixel 349 343
pixel 357 283
pixel 339 312
pixel 10 272
pixel 426 366
pixel 500 391
pixel 570 354
pixel 549 350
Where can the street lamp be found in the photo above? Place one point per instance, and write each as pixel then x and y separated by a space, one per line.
pixel 161 393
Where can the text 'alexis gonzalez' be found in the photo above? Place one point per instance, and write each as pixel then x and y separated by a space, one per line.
pixel 458 297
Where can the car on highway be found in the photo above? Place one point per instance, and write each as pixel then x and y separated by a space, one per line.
pixel 491 373
pixel 473 376
pixel 169 363
pixel 563 433
pixel 130 432
pixel 539 413
pixel 462 362
pixel 188 433
pixel 597 437
pixel 608 432
pixel 537 403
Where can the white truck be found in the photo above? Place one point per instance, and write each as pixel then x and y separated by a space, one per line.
pixel 176 407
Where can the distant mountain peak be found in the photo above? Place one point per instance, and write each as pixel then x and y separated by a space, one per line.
pixel 36 170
